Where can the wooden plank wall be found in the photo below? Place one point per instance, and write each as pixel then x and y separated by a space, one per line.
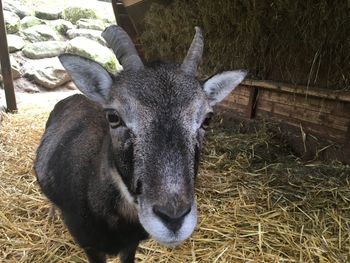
pixel 323 113
pixel 238 101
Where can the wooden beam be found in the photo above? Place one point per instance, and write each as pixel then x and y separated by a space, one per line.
pixel 131 2
pixel 6 66
pixel 347 142
pixel 122 18
pixel 251 107
pixel 115 11
pixel 302 90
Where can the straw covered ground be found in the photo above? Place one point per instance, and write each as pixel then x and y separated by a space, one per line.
pixel 257 203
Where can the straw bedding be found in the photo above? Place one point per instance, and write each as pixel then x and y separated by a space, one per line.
pixel 257 203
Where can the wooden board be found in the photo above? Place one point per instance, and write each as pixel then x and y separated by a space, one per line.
pixel 309 128
pixel 303 90
pixel 315 114
pixel 236 98
pixel 314 117
pixel 310 103
pixel 234 108
pixel 322 113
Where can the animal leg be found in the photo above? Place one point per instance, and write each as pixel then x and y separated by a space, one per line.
pixel 127 255
pixel 95 256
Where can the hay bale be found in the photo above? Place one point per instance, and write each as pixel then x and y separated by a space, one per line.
pixel 257 203
pixel 294 41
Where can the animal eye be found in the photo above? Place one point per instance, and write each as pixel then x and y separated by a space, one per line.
pixel 114 120
pixel 206 122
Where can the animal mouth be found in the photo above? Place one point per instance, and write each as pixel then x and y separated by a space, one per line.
pixel 171 244
pixel 163 233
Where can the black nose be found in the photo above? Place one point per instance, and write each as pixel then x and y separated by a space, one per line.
pixel 173 220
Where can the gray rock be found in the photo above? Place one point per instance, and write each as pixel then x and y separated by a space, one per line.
pixel 29 21
pixel 87 33
pixel 48 14
pixel 70 85
pixel 48 73
pixel 61 26
pixel 16 7
pixel 15 43
pixel 15 69
pixel 45 49
pixel 95 24
pixel 40 33
pixel 12 22
pixel 94 51
pixel 24 85
pixel 109 21
pixel 74 13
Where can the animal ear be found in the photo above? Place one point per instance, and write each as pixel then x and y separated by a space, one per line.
pixel 220 85
pixel 90 77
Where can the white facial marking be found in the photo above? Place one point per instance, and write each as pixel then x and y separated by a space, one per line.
pixel 127 206
pixel 156 228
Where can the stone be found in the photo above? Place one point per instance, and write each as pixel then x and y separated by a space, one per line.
pixel 94 51
pixel 87 33
pixel 12 22
pixel 95 24
pixel 71 86
pixel 47 72
pixel 24 85
pixel 45 49
pixel 29 21
pixel 109 21
pixel 16 7
pixel 74 13
pixel 61 26
pixel 15 69
pixel 14 43
pixel 40 33
pixel 48 14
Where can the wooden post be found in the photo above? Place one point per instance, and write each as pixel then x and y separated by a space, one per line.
pixel 251 107
pixel 6 66
pixel 116 11
pixel 123 20
pixel 347 144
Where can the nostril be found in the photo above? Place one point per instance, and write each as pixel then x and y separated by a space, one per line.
pixel 161 213
pixel 165 212
pixel 172 220
pixel 187 212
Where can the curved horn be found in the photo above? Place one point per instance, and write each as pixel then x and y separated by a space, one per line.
pixel 123 47
pixel 194 54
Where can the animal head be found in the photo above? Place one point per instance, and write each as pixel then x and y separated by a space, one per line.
pixel 157 116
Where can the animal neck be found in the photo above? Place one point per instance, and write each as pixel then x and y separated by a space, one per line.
pixel 113 179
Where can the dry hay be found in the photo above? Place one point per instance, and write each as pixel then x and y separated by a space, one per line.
pixel 303 42
pixel 256 201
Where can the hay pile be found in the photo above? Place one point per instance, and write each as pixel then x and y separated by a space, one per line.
pixel 302 42
pixel 256 201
